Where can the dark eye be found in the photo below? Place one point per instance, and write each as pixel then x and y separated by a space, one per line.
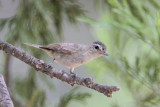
pixel 96 47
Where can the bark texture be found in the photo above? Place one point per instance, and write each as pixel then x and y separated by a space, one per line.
pixel 5 99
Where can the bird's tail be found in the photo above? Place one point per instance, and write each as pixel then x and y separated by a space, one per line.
pixel 38 46
pixel 33 45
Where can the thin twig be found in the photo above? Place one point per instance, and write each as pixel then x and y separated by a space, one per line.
pixel 39 65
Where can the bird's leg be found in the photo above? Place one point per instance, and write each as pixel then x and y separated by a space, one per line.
pixel 53 59
pixel 71 72
pixel 73 75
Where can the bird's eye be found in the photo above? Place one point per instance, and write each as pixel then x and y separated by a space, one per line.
pixel 96 47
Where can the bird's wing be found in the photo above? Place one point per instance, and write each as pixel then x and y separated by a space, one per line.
pixel 68 48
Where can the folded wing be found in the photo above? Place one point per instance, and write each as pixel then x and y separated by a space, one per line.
pixel 68 48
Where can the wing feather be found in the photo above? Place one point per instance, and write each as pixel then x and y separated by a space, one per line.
pixel 67 48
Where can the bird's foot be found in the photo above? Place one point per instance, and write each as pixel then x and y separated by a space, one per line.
pixel 73 75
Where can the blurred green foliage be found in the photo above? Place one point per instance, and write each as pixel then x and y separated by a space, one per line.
pixel 129 28
pixel 131 31
pixel 73 95
pixel 39 22
pixel 35 20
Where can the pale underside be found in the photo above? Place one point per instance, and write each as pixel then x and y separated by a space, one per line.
pixel 70 54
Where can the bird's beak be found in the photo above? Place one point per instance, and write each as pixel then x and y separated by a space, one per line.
pixel 106 54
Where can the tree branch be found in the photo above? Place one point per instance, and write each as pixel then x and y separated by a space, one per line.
pixel 7 75
pixel 39 65
pixel 5 99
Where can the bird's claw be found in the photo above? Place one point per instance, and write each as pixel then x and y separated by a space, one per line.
pixel 73 75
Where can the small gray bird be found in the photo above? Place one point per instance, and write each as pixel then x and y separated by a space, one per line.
pixel 73 55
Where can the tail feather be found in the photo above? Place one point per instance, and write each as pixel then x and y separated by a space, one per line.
pixel 33 45
pixel 38 46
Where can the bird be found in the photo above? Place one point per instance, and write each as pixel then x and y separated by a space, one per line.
pixel 73 55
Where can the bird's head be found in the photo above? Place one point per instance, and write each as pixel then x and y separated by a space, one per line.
pixel 99 48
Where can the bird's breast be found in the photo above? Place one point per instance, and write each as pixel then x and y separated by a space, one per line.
pixel 73 60
pixel 69 60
